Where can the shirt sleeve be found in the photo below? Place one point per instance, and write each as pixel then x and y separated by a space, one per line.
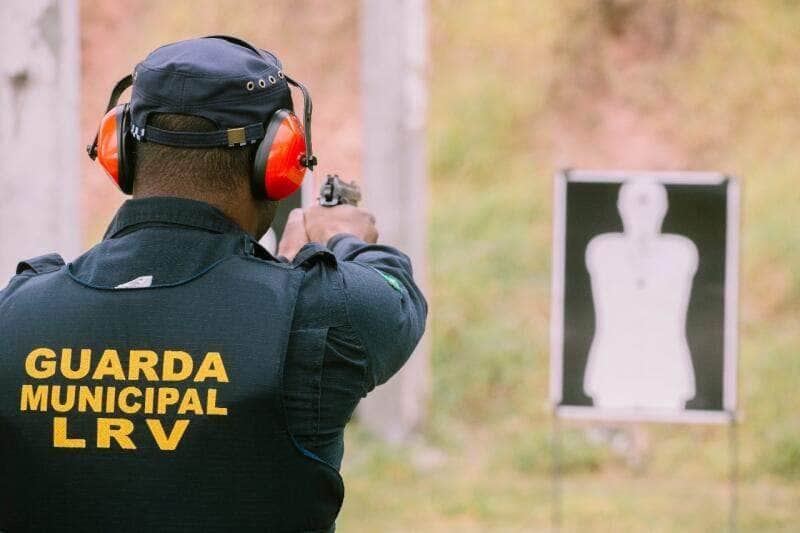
pixel 385 306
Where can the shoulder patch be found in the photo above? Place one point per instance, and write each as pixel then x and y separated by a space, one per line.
pixel 391 280
pixel 41 264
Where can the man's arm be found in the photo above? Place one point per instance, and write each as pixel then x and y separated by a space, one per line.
pixel 384 304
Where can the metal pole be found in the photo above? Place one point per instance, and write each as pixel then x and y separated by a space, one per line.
pixel 733 452
pixel 394 56
pixel 39 145
pixel 556 495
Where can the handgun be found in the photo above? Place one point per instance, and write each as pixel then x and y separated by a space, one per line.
pixel 334 191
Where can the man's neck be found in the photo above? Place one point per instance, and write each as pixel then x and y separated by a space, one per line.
pixel 241 211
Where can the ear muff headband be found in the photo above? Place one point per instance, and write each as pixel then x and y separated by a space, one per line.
pixel 309 159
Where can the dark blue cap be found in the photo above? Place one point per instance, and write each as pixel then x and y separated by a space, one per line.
pixel 222 79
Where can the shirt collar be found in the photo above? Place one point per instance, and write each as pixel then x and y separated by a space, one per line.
pixel 171 210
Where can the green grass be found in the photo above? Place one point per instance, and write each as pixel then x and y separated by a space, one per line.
pixel 500 74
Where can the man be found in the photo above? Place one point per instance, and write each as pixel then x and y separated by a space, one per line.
pixel 178 377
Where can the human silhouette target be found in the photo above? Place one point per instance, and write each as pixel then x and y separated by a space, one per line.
pixel 644 295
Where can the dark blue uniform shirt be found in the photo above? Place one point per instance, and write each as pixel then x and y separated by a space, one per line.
pixel 358 316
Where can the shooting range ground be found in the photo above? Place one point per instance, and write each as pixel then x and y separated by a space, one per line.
pixel 518 90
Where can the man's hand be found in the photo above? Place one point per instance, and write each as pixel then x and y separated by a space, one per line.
pixel 294 235
pixel 322 223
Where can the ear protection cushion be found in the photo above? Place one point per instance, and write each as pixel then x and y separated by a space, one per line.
pixel 112 146
pixel 278 168
pixel 125 153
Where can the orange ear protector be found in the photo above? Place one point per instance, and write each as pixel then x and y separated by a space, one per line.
pixel 113 142
pixel 281 158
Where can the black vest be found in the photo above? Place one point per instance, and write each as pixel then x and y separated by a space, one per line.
pixel 177 421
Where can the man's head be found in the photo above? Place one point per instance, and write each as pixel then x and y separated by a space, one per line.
pixel 198 110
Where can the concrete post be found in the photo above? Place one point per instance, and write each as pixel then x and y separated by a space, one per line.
pixel 394 53
pixel 39 146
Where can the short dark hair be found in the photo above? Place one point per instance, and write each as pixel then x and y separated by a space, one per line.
pixel 162 167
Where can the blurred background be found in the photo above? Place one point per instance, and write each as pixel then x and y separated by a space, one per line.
pixel 517 90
